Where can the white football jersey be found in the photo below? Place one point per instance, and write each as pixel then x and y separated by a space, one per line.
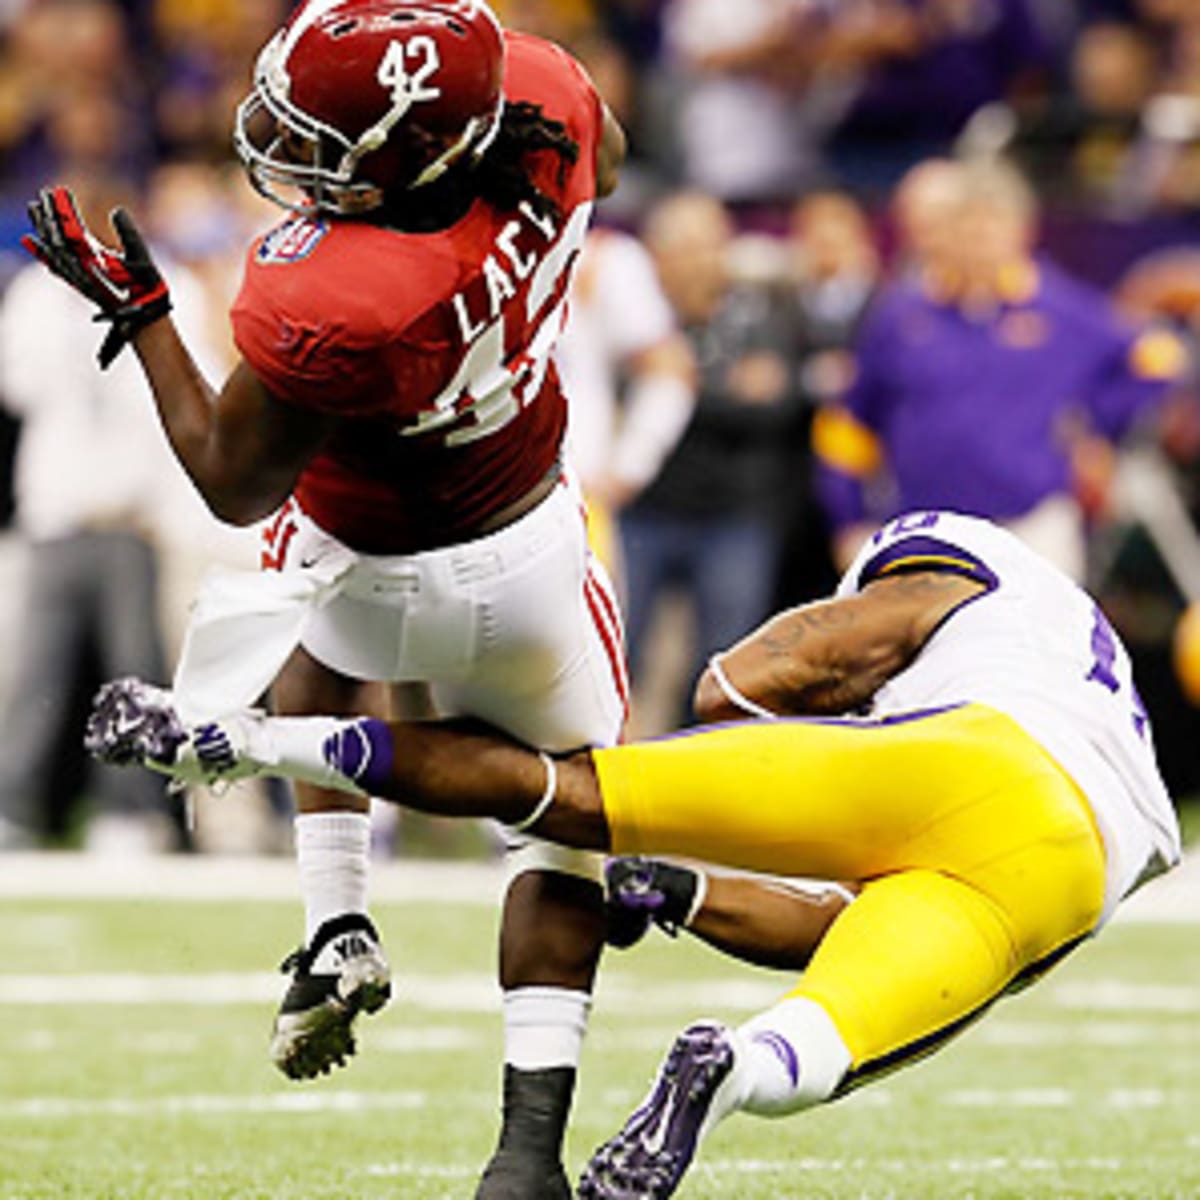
pixel 1036 647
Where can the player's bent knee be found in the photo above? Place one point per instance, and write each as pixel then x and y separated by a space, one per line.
pixel 532 854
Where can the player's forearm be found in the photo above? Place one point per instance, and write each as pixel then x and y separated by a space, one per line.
pixel 184 399
pixel 763 923
pixel 457 770
pixel 241 468
pixel 832 657
pixel 816 660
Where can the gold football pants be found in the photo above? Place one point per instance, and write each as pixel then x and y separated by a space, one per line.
pixel 979 857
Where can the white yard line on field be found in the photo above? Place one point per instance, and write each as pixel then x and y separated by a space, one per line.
pixel 341 1101
pixel 291 1103
pixel 1175 898
pixel 58 876
pixel 957 1166
pixel 618 993
pixel 461 993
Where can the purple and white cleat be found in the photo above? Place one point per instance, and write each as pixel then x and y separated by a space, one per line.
pixel 648 1158
pixel 135 723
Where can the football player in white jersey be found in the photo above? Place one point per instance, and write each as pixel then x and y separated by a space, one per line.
pixel 956 733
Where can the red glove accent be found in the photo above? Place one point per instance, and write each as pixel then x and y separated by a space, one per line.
pixel 125 285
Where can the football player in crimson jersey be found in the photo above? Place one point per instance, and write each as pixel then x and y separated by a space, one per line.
pixel 397 410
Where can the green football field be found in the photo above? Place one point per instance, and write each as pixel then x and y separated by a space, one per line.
pixel 133 1036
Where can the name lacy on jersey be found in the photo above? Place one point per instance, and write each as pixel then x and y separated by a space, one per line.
pixel 520 244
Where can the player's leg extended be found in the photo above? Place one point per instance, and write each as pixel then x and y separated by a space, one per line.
pixel 340 969
pixel 999 875
pixel 564 692
pixel 551 934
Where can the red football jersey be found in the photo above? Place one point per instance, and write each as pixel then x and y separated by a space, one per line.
pixel 436 347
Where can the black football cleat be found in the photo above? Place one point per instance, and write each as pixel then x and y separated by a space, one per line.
pixel 527 1163
pixel 512 1176
pixel 341 973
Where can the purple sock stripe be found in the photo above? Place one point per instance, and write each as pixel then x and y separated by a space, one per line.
pixel 363 752
pixel 784 1050
pixel 378 770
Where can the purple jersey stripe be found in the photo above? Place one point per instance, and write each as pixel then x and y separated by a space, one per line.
pixel 927 554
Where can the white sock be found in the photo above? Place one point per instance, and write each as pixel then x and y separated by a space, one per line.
pixel 300 748
pixel 788 1058
pixel 544 1027
pixel 333 851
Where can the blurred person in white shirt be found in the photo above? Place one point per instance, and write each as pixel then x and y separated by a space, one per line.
pixel 98 494
pixel 629 377
pixel 201 217
pixel 754 111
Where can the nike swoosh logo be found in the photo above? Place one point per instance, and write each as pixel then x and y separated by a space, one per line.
pixel 655 1141
pixel 120 294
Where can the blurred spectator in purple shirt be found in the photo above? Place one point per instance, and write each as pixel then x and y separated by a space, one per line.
pixel 990 382
pixel 922 209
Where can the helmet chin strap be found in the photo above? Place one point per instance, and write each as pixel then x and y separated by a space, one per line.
pixel 477 136
pixel 374 138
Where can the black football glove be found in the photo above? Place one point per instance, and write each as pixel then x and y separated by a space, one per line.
pixel 125 285
pixel 641 890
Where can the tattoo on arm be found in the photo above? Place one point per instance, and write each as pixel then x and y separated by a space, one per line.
pixel 831 657
pixel 801 623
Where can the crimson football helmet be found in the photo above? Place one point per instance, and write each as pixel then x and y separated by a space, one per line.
pixel 356 98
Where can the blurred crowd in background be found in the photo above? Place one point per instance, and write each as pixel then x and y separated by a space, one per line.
pixel 866 255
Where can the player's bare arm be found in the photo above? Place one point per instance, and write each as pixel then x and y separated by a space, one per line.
pixel 832 656
pixel 463 769
pixel 242 448
pixel 769 924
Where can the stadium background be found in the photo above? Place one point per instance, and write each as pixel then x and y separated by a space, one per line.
pixel 122 1075
pixel 1097 100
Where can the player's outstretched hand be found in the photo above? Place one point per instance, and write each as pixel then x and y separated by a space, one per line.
pixel 125 285
pixel 641 890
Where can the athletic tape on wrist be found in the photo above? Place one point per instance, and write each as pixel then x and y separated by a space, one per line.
pixel 698 899
pixel 547 796
pixel 733 695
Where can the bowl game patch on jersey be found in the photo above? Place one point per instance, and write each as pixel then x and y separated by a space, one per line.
pixel 292 241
